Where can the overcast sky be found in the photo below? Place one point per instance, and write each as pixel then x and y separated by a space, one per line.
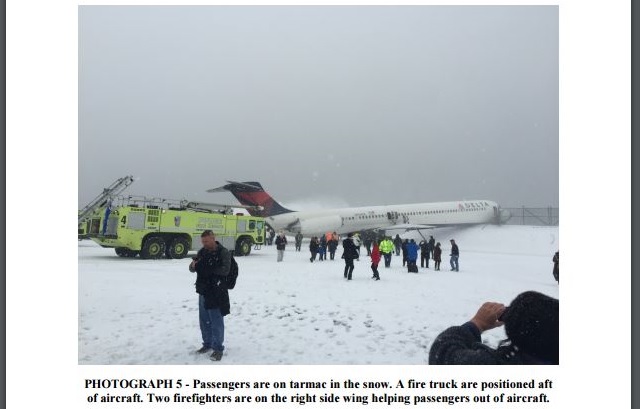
pixel 336 105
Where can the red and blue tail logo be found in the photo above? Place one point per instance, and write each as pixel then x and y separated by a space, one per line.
pixel 252 194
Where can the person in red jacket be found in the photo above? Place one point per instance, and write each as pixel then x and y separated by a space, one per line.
pixel 375 259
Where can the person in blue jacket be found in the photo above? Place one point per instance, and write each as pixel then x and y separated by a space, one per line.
pixel 412 256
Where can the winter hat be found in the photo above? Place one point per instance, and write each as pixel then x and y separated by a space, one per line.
pixel 532 324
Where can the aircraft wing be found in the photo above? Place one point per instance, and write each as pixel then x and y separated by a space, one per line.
pixel 409 227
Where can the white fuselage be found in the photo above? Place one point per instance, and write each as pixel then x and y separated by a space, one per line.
pixel 353 219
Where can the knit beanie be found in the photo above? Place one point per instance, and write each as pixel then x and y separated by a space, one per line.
pixel 532 324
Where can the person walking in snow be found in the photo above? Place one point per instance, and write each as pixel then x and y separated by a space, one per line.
pixel 432 245
pixel 531 323
pixel 397 243
pixel 357 242
pixel 298 239
pixel 424 253
pixel 333 245
pixel 313 248
pixel 437 257
pixel 212 263
pixel 350 253
pixel 375 260
pixel 556 266
pixel 281 242
pixel 455 253
pixel 322 248
pixel 386 248
pixel 412 256
pixel 367 240
pixel 404 252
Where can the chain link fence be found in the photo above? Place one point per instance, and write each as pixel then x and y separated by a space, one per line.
pixel 533 216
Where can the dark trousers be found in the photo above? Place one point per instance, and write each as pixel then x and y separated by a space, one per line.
pixel 387 259
pixel 348 268
pixel 424 257
pixel 332 254
pixel 374 268
pixel 313 255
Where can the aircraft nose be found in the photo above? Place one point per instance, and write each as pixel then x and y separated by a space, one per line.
pixel 505 215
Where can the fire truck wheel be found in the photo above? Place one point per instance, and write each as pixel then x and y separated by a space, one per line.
pixel 243 248
pixel 152 248
pixel 178 248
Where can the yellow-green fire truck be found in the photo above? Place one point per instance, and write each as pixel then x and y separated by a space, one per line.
pixel 155 228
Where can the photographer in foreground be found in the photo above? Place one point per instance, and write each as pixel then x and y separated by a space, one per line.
pixel 211 264
pixel 531 323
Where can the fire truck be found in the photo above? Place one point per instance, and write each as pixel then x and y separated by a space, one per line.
pixel 154 228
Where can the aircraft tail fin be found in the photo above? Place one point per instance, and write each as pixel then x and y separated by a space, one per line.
pixel 252 194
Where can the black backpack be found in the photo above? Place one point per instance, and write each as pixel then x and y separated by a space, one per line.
pixel 229 281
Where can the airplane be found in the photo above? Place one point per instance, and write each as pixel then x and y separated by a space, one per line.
pixel 353 219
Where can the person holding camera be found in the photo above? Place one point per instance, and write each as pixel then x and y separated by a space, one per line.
pixel 281 242
pixel 212 263
pixel 531 323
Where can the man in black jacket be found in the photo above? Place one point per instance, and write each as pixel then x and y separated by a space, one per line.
pixel 424 253
pixel 455 254
pixel 211 264
pixel 532 326
pixel 350 254
pixel 432 246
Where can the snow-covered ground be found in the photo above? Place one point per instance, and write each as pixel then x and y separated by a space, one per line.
pixel 134 311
